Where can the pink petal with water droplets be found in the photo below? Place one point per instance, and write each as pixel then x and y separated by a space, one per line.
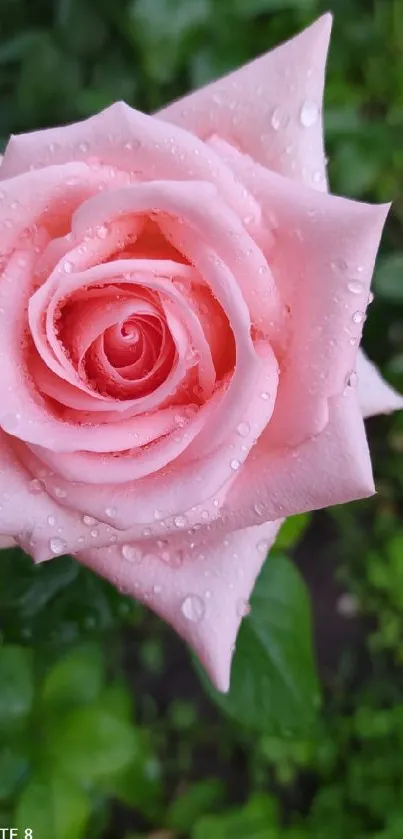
pixel 270 108
pixel 375 395
pixel 199 597
pixel 322 262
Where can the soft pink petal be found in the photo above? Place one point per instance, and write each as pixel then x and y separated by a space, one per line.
pixel 322 261
pixel 333 467
pixel 7 542
pixel 204 597
pixel 375 395
pixel 270 109
pixel 123 140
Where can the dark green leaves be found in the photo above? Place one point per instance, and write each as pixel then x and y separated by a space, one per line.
pixel 388 281
pixel 16 686
pixel 53 806
pixel 274 684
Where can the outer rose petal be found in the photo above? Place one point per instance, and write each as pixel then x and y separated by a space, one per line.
pixel 375 395
pixel 271 108
pixel 211 589
pixel 7 541
pixel 333 467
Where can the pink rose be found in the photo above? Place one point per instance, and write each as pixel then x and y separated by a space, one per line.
pixel 181 307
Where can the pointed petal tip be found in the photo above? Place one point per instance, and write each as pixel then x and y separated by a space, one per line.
pixel 218 667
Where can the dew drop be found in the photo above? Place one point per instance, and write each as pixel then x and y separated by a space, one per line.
pixel 57 545
pixel 264 395
pixel 51 521
pixel 278 120
pixel 180 521
pixel 94 533
pixel 235 465
pixel 36 486
pixel 84 147
pixel 352 379
pixel 339 265
pixel 243 429
pixel 263 546
pixel 193 608
pixel 102 231
pixel 309 113
pixel 243 608
pixel 131 553
pixel 88 520
pixel 67 266
pixel 60 493
pixel 259 509
pixel 358 317
pixel 218 98
pixel 111 512
pixel 355 286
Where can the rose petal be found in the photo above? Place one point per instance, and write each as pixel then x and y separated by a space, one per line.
pixel 322 261
pixel 374 394
pixel 270 108
pixel 201 598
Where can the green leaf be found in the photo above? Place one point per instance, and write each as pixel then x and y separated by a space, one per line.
pixel 140 785
pixel 16 685
pixel 89 743
pixel 274 686
pixel 197 800
pixel 76 679
pixel 53 806
pixel 14 764
pixel 292 531
pixel 388 280
pixel 257 820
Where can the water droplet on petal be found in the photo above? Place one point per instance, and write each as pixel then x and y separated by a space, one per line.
pixel 36 486
pixel 60 493
pixel 84 147
pixel 235 464
pixel 102 231
pixel 264 395
pixel 243 608
pixel 57 546
pixel 180 521
pixel 358 317
pixel 352 379
pixel 309 113
pixel 67 266
pixel 259 509
pixel 263 546
pixel 193 608
pixel 243 429
pixel 51 521
pixel 94 533
pixel 339 265
pixel 355 286
pixel 88 520
pixel 131 553
pixel 278 120
pixel 111 512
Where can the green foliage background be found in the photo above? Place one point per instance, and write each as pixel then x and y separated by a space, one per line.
pixel 104 731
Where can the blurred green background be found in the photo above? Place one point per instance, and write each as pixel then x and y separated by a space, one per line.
pixel 107 728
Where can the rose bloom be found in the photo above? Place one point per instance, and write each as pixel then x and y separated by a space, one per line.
pixel 181 309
